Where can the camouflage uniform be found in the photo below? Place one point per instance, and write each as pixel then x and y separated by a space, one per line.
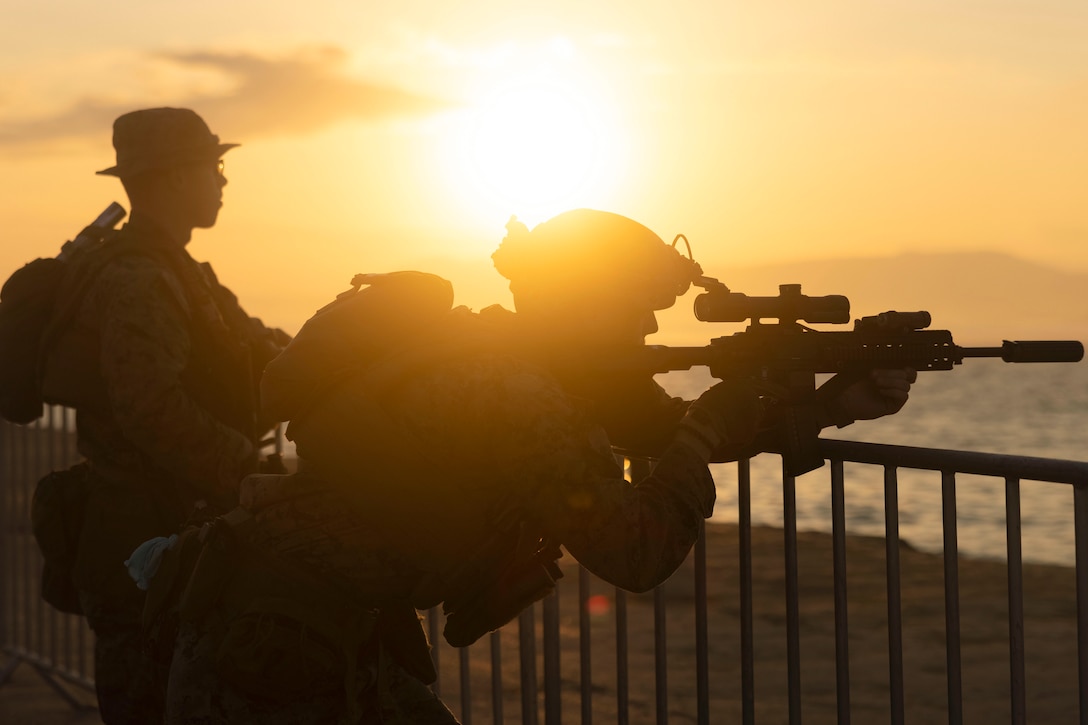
pixel 161 365
pixel 496 426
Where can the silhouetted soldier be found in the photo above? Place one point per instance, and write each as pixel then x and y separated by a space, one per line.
pixel 162 366
pixel 448 466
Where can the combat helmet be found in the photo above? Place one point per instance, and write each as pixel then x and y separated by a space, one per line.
pixel 590 254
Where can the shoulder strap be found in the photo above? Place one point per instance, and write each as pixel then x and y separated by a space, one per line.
pixel 79 276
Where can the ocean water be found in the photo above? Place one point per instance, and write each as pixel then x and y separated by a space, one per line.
pixel 982 405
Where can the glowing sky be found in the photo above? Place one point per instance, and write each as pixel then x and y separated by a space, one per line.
pixel 379 136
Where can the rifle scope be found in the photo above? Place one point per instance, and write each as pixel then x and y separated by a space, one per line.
pixel 789 306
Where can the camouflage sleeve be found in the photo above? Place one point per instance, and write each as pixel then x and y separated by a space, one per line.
pixel 633 536
pixel 265 342
pixel 641 418
pixel 145 346
pixel 268 341
pixel 636 536
pixel 641 421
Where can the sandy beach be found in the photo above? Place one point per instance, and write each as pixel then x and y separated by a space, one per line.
pixel 1049 633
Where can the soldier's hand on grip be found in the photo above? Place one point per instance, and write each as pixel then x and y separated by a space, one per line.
pixel 879 393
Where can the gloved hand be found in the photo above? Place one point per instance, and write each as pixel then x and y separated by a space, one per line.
pixel 729 412
pixel 847 398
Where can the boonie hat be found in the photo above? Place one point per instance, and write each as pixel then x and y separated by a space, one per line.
pixel 161 138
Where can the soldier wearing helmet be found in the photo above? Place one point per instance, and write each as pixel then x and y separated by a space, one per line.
pixel 449 468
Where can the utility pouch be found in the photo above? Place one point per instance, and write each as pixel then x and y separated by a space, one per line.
pixel 189 582
pixel 160 620
pixel 277 649
pixel 213 569
pixel 285 632
pixel 56 517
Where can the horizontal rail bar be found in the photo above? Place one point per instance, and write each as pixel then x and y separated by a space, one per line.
pixel 935 459
pixel 35 659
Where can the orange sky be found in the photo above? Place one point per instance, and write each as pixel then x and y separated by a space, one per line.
pixel 385 138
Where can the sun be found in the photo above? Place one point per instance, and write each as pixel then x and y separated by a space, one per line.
pixel 533 143
pixel 533 147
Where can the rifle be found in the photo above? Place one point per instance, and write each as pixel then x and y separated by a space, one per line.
pixel 788 355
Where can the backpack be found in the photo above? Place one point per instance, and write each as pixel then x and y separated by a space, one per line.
pixel 381 312
pixel 368 339
pixel 30 317
pixel 330 382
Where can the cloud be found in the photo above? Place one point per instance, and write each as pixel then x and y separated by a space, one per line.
pixel 249 96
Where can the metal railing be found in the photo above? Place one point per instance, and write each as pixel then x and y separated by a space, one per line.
pixel 574 655
pixel 548 698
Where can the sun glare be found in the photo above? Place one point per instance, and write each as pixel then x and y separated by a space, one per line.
pixel 532 148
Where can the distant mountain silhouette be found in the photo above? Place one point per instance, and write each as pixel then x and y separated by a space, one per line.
pixel 982 297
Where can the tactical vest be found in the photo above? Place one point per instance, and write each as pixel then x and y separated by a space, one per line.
pixel 221 373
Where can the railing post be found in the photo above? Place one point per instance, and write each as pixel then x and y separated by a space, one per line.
pixel 622 693
pixel 527 646
pixel 702 632
pixel 552 675
pixel 7 547
pixel 432 634
pixel 1016 601
pixel 496 677
pixel 466 685
pixel 842 635
pixel 1080 528
pixel 793 612
pixel 747 644
pixel 7 550
pixel 585 651
pixel 895 608
pixel 661 681
pixel 951 598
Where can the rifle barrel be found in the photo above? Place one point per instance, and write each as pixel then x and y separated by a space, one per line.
pixel 1028 351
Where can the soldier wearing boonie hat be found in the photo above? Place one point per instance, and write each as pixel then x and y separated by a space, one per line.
pixel 161 364
pixel 161 138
